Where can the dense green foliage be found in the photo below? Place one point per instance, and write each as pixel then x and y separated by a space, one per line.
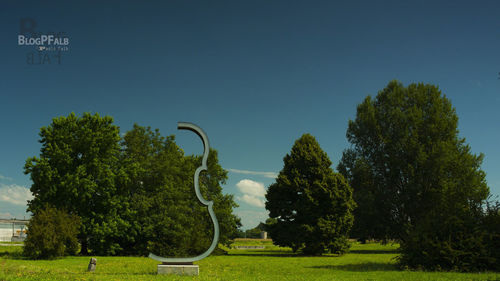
pixel 454 242
pixel 51 234
pixel 415 180
pixel 76 171
pixel 311 203
pixel 159 181
pixel 134 197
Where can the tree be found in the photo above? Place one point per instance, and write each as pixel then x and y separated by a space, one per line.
pixel 211 182
pixel 76 172
pixel 491 227
pixel 165 211
pixel 414 178
pixel 311 203
pixel 370 222
pixel 51 234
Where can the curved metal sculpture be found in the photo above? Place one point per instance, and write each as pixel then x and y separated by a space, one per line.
pixel 215 241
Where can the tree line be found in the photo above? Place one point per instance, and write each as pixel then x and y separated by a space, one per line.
pixel 408 176
pixel 133 194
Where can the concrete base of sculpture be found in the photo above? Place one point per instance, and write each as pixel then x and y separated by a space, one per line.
pixel 178 269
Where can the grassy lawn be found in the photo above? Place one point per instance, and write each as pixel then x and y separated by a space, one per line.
pixel 364 262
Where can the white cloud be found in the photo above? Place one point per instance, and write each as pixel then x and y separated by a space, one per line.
pixel 252 200
pixel 2 177
pixel 253 192
pixel 15 194
pixel 271 175
pixel 251 187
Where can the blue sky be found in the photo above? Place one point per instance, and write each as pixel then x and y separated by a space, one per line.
pixel 255 75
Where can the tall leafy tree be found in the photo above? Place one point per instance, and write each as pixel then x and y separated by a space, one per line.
pixel 369 220
pixel 211 182
pixel 311 203
pixel 413 177
pixel 76 172
pixel 166 212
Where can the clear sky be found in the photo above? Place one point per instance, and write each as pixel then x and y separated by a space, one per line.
pixel 255 75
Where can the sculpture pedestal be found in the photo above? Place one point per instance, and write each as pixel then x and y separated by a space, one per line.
pixel 178 269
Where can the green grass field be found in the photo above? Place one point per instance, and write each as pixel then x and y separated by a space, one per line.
pixel 364 262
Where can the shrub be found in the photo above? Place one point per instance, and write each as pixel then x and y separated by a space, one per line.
pixel 455 242
pixel 51 233
pixel 491 224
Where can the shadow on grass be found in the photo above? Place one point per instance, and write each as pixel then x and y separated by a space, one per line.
pixel 291 254
pixel 12 255
pixel 360 267
pixel 389 251
pixel 260 253
pixel 257 253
